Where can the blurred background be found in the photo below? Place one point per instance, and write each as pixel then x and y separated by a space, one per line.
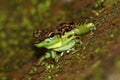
pixel 19 18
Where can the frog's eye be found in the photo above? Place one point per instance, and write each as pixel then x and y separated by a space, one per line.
pixel 51 35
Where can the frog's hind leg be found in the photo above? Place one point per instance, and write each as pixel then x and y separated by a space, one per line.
pixel 79 41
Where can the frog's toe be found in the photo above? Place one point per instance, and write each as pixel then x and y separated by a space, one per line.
pixel 62 53
pixel 57 58
pixel 40 62
pixel 79 42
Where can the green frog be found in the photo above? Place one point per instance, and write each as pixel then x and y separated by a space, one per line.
pixel 60 39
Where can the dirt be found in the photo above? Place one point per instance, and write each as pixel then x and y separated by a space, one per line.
pixel 97 59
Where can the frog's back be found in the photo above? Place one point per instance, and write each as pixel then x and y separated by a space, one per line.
pixel 61 29
pixel 64 27
pixel 40 35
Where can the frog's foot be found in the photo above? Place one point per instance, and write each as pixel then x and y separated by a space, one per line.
pixel 51 54
pixel 92 31
pixel 62 53
pixel 79 42
pixel 57 57
pixel 74 51
pixel 71 49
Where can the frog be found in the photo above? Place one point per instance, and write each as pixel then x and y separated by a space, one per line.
pixel 60 39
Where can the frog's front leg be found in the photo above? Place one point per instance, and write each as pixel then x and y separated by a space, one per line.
pixel 46 56
pixel 50 54
pixel 56 56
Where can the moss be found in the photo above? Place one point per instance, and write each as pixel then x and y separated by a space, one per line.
pixel 98 3
pixel 97 71
pixel 110 3
pixel 117 63
pixel 33 70
pixel 101 51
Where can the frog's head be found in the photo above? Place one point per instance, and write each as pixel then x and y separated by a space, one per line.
pixel 48 37
pixel 45 38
